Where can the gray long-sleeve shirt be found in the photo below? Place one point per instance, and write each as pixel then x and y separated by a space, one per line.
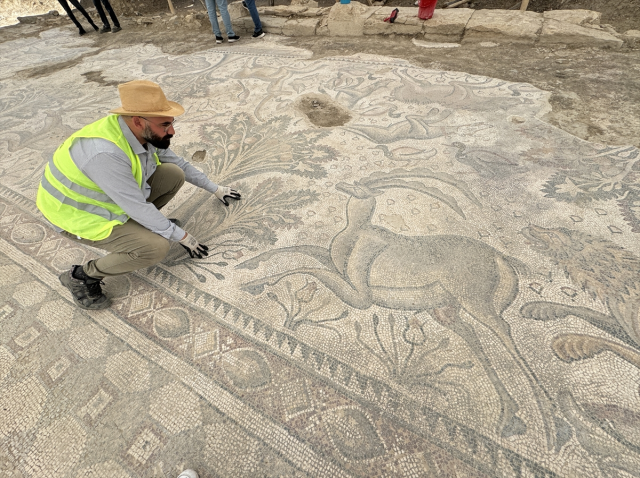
pixel 110 168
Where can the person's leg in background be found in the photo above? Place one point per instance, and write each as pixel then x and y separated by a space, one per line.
pixel 224 13
pixel 67 9
pixel 213 18
pixel 253 11
pixel 76 4
pixel 112 14
pixel 105 22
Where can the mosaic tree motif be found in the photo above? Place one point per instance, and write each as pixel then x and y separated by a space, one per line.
pixel 255 220
pixel 241 149
pixel 298 308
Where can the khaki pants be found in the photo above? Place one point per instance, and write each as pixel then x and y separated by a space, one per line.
pixel 131 245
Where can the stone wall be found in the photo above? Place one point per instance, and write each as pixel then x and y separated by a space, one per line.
pixel 569 27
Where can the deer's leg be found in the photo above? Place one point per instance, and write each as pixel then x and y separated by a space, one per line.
pixel 320 254
pixel 485 314
pixel 510 424
pixel 359 299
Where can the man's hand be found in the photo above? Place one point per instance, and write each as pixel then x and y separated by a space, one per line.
pixel 192 246
pixel 224 192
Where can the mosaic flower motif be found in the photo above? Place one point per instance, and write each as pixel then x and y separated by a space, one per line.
pixel 305 295
pixel 298 311
pixel 413 333
pixel 405 361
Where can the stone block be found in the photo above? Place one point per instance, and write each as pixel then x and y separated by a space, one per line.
pixel 632 38
pixel 577 17
pixel 308 3
pixel 283 10
pixel 375 25
pixel 407 22
pixel 300 27
pixel 447 25
pixel 272 24
pixel 314 12
pixel 347 20
pixel 556 32
pixel 323 28
pixel 243 24
pixel 32 19
pixel 504 26
pixel 236 10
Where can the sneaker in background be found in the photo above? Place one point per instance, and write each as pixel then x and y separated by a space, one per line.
pixel 259 34
pixel 233 39
pixel 116 29
pixel 105 29
pixel 188 474
pixel 218 39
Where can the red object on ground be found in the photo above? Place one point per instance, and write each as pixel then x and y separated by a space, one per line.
pixel 426 9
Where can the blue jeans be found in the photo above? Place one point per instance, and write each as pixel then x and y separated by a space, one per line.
pixel 224 13
pixel 253 11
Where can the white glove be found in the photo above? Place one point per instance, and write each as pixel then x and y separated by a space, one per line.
pixel 192 246
pixel 224 192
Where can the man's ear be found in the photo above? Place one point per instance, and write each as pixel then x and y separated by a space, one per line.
pixel 137 121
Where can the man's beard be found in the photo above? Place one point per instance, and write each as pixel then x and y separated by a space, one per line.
pixel 155 140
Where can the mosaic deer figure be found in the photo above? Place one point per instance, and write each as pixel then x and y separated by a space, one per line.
pixel 443 275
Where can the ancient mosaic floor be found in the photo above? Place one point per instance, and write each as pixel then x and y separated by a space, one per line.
pixel 438 283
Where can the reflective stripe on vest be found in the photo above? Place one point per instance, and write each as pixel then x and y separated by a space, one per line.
pixel 90 208
pixel 73 186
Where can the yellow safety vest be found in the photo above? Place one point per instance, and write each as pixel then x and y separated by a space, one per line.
pixel 74 203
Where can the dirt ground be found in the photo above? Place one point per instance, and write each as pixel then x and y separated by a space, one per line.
pixel 595 92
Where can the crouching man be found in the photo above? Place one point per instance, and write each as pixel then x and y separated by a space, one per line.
pixel 106 183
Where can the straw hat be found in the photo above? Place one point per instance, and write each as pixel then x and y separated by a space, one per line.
pixel 145 98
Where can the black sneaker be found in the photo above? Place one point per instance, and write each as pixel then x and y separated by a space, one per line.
pixel 82 32
pixel 219 39
pixel 259 34
pixel 105 29
pixel 116 29
pixel 233 39
pixel 86 291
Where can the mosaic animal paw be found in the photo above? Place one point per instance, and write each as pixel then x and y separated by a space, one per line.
pixel 572 347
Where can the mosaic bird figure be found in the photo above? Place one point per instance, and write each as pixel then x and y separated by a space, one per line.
pixel 487 163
